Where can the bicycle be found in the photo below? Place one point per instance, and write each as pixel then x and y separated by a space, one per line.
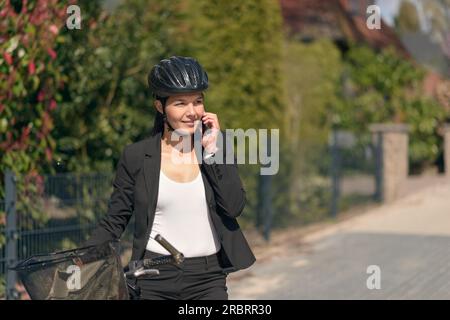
pixel 93 272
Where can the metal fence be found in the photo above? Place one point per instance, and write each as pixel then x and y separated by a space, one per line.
pixel 355 169
pixel 2 249
pixel 318 182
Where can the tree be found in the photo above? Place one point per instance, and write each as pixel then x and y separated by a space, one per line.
pixel 387 88
pixel 29 82
pixel 312 74
pixel 106 104
pixel 240 44
pixel 408 18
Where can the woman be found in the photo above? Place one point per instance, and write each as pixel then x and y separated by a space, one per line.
pixel 193 204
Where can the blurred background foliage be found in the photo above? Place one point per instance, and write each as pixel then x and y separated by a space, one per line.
pixel 105 102
pixel 30 84
pixel 384 87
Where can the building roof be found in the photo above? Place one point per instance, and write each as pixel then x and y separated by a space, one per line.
pixel 426 52
pixel 339 20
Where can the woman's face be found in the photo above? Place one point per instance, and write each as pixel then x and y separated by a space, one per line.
pixel 184 111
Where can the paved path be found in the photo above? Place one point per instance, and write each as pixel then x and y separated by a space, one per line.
pixel 409 240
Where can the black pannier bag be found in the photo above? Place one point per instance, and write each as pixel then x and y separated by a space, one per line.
pixel 87 273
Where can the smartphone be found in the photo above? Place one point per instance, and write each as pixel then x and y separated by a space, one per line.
pixel 204 128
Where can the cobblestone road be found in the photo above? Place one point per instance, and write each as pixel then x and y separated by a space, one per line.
pixel 409 240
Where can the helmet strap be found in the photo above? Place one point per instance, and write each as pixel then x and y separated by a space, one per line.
pixel 164 115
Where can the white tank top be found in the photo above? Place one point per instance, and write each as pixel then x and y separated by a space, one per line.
pixel 182 218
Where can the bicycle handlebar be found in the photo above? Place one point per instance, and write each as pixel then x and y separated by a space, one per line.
pixel 141 267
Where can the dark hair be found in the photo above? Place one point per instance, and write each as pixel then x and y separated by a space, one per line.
pixel 158 124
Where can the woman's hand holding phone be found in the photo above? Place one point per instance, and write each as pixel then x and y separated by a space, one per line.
pixel 211 129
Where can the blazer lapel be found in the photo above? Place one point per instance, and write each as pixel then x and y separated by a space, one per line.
pixel 208 189
pixel 152 166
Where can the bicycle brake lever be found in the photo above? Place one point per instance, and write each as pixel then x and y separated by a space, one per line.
pixel 144 272
pixel 141 272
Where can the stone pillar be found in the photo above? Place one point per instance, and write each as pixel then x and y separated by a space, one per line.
pixel 446 132
pixel 391 141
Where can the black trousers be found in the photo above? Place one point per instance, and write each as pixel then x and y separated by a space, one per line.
pixel 197 278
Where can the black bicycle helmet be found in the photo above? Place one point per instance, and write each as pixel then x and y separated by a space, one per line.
pixel 177 75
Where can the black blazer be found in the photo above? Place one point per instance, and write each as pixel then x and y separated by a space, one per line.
pixel 136 187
